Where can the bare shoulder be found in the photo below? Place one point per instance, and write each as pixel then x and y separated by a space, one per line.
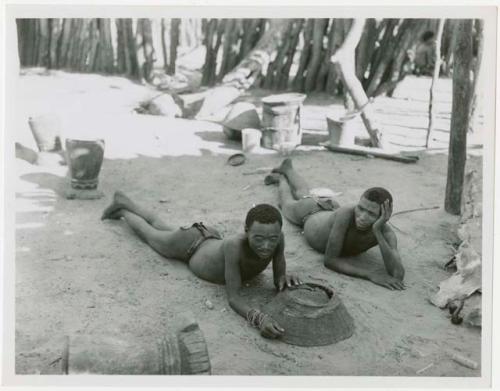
pixel 344 213
pixel 234 244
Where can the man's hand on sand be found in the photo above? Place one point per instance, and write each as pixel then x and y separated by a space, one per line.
pixel 270 329
pixel 288 281
pixel 387 281
pixel 385 215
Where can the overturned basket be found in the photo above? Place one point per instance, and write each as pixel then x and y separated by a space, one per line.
pixel 312 315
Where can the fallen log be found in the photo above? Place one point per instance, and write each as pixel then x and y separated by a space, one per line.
pixel 368 151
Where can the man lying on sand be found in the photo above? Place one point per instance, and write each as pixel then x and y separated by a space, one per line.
pixel 210 257
pixel 341 232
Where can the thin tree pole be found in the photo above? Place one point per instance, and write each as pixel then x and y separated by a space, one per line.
pixel 174 42
pixel 344 60
pixel 457 153
pixel 477 70
pixel 435 77
pixel 164 44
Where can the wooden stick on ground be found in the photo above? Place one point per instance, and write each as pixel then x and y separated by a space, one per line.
pixel 414 210
pixel 375 152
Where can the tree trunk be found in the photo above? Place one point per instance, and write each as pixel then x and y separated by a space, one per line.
pixel 344 60
pixel 43 48
pixel 285 71
pixel 321 80
pixel 127 53
pixel 93 43
pixel 385 55
pixel 246 73
pixel 477 70
pixel 230 35
pixel 448 61
pixel 148 49
pixel 435 77
pixel 457 153
pixel 164 44
pixel 250 34
pixel 63 44
pixel 317 49
pixel 174 42
pixel 408 31
pixel 276 65
pixel 298 81
pixel 210 58
pixel 106 46
pixel 366 47
pixel 336 39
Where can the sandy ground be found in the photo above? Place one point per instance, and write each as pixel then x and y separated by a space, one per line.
pixel 76 275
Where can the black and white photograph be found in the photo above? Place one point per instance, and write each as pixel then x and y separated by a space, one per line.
pixel 259 192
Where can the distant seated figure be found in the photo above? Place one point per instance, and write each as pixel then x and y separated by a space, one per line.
pixel 215 259
pixel 341 232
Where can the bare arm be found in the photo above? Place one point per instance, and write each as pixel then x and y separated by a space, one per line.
pixel 281 280
pixel 388 244
pixel 279 263
pixel 333 260
pixel 232 254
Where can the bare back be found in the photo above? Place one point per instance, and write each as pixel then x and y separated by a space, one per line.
pixel 209 261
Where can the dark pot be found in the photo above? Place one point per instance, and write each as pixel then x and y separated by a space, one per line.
pixel 85 161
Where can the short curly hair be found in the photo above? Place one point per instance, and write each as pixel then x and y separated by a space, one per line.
pixel 263 213
pixel 378 195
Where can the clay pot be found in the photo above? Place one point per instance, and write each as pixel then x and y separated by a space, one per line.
pixel 46 131
pixel 85 160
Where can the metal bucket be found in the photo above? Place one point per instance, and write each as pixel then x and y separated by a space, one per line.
pixel 85 160
pixel 281 120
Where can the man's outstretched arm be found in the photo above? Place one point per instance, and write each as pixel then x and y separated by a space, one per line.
pixel 389 249
pixel 281 279
pixel 268 327
pixel 388 243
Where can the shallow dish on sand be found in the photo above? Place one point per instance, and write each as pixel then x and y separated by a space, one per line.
pixel 312 315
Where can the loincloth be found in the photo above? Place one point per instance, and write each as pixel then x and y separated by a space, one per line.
pixel 322 204
pixel 204 233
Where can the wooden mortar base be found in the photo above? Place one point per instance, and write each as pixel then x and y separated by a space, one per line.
pixel 77 194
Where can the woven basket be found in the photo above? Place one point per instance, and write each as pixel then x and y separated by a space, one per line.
pixel 312 315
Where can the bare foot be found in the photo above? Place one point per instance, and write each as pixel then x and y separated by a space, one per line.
pixel 285 166
pixel 272 179
pixel 120 201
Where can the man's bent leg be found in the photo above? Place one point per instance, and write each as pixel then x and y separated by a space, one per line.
pixel 122 201
pixel 294 210
pixel 298 185
pixel 170 244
